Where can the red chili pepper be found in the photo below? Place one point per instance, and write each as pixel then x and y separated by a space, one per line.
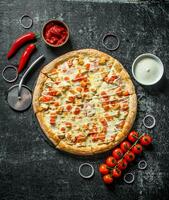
pixel 25 56
pixel 19 42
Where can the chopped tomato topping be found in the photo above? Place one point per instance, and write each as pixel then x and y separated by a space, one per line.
pixel 68 107
pixel 77 111
pixel 101 136
pixel 53 93
pixel 63 129
pixel 106 107
pixel 45 98
pixel 80 138
pixel 83 83
pixel 54 70
pixel 86 89
pixel 68 124
pixel 112 78
pixel 104 103
pixel 96 137
pixel 108 117
pixel 79 77
pixel 66 78
pixel 87 66
pixel 79 89
pixel 119 91
pixel 125 93
pixel 103 121
pixel 71 99
pixel 103 93
pixel 52 120
pixel 85 126
pixel 56 103
pixel 124 106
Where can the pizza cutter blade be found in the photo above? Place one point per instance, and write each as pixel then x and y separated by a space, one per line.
pixel 22 103
pixel 19 96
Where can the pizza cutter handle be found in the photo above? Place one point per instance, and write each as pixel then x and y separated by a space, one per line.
pixel 26 73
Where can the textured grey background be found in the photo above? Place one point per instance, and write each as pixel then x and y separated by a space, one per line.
pixel 30 169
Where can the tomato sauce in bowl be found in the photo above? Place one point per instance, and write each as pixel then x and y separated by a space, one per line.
pixel 55 33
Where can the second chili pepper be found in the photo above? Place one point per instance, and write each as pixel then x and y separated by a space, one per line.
pixel 25 56
pixel 19 42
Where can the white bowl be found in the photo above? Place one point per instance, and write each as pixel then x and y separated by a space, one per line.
pixel 149 67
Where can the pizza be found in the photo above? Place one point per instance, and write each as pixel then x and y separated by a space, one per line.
pixel 85 102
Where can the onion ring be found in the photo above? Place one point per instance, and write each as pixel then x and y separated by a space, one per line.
pixel 30 19
pixel 142 164
pixel 110 35
pixel 92 170
pixel 10 67
pixel 152 125
pixel 127 178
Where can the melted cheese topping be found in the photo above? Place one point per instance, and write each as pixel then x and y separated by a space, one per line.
pixel 84 102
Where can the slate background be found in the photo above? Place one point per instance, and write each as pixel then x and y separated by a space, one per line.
pixel 30 169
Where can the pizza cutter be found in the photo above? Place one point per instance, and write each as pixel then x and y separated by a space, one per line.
pixel 19 96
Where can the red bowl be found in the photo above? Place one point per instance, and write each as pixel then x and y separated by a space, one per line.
pixel 55 22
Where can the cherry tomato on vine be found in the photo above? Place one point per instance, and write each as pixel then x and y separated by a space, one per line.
pixel 111 161
pixel 133 136
pixel 122 165
pixel 137 149
pixel 129 156
pixel 107 179
pixel 116 172
pixel 125 146
pixel 103 168
pixel 146 140
pixel 117 153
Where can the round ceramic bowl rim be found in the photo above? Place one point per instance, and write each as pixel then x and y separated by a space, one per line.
pixel 151 56
pixel 55 20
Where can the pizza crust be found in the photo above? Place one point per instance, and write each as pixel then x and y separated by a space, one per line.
pixel 74 149
pixel 37 92
pixel 48 131
pixel 61 143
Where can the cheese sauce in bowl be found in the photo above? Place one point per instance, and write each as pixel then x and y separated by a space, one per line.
pixel 147 69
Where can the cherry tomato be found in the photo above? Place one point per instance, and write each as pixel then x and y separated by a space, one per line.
pixel 146 140
pixel 111 161
pixel 117 153
pixel 122 164
pixel 103 169
pixel 133 136
pixel 107 179
pixel 116 172
pixel 137 149
pixel 125 146
pixel 129 156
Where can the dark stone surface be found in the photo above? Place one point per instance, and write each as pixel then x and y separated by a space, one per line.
pixel 30 169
